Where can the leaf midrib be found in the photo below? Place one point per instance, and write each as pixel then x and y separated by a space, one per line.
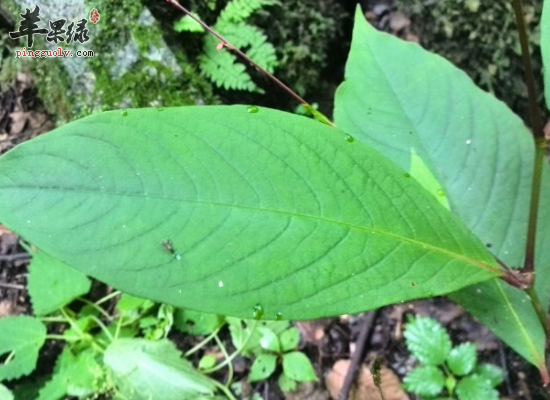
pixel 350 226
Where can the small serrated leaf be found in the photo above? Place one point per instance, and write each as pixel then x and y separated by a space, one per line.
pixel 425 381
pixel 427 340
pixel 475 387
pixel 188 24
pixel 262 368
pixel 494 374
pixel 54 284
pixel 289 339
pixel 298 367
pixel 462 359
pixel 21 339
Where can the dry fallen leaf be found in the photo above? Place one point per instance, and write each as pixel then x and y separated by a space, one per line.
pixel 364 388
pixel 313 331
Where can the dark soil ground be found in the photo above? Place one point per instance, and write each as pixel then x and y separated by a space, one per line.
pixel 22 117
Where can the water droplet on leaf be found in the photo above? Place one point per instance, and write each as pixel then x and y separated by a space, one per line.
pixel 350 138
pixel 253 109
pixel 220 284
pixel 440 193
pixel 468 141
pixel 279 316
pixel 407 175
pixel 258 311
pixel 124 113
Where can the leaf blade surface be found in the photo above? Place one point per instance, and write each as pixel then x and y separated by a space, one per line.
pixel 405 101
pixel 222 210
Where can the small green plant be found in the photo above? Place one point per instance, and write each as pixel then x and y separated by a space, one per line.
pixel 111 353
pixel 451 372
pixel 278 346
pixel 221 66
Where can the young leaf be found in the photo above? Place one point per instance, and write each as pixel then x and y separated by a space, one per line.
pixel 475 387
pixel 297 366
pixel 269 340
pixel 289 339
pixel 545 48
pixel 494 374
pixel 313 225
pixel 404 100
pixel 425 381
pixel 207 361
pixel 263 367
pixel 21 339
pixel 427 340
pixel 53 284
pixel 239 10
pixel 145 370
pixel 197 323
pixel 462 359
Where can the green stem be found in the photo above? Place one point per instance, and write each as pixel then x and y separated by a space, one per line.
pixel 103 327
pixel 229 359
pixel 202 343
pixel 537 127
pixel 96 307
pixel 108 297
pixel 230 365
pixel 540 155
pixel 54 319
pixel 539 310
pixel 56 337
pixel 225 390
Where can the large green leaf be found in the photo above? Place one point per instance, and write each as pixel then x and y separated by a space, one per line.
pixel 545 48
pixel 235 210
pixel 405 101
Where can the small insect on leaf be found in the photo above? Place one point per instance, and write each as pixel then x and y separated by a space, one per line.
pixel 167 244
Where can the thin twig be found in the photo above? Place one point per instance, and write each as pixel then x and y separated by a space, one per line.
pixel 14 257
pixel 241 54
pixel 538 133
pixel 228 45
pixel 12 286
pixel 367 325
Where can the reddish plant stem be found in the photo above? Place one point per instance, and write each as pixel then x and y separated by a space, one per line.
pixel 241 54
pixel 537 128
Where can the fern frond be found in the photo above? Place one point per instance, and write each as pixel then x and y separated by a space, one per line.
pixel 188 24
pixel 239 10
pixel 222 68
pixel 254 42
